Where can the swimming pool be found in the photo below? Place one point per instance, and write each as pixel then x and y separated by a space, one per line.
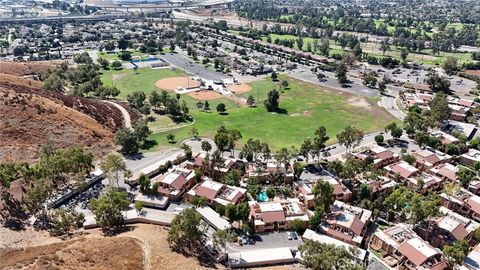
pixel 262 197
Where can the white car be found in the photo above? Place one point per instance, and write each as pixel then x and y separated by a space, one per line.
pixel 289 235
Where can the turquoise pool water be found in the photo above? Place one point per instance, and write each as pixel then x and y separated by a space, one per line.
pixel 262 197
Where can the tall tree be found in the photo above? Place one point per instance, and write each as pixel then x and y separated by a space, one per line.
pixel 108 209
pixel 186 232
pixel 272 101
pixel 113 165
pixel 350 137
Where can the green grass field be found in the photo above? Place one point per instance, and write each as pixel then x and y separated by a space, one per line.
pixel 127 81
pixel 308 107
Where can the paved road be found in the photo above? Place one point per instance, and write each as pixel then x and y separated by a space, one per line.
pixel 182 62
pixel 388 102
pixel 141 162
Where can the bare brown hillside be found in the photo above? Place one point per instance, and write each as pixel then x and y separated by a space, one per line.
pixel 26 68
pixel 32 116
pixel 94 253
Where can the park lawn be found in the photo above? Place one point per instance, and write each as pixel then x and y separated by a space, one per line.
pixel 308 106
pixel 127 81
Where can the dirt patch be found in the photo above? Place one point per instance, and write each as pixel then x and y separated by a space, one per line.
pixel 19 80
pixel 118 76
pixel 27 68
pixel 359 102
pixel 205 95
pixel 307 113
pixel 82 253
pixel 239 88
pixel 171 84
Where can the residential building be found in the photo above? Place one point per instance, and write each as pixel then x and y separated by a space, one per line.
pixel 463 202
pixel 272 216
pixel 304 189
pixel 447 171
pixel 174 183
pixel 347 223
pixel 426 159
pixel 379 155
pixel 448 228
pixel 444 137
pixel 470 157
pixel 401 247
pixel 400 170
pixel 264 171
pixel 218 193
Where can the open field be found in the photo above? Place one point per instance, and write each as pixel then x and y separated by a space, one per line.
pixel 308 106
pixel 127 81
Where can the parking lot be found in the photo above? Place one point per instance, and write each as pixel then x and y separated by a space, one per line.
pixel 268 240
pixel 182 62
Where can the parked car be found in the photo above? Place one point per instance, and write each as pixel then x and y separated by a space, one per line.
pixel 289 235
pixel 295 236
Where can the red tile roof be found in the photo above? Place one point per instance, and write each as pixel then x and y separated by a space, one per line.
pixel 273 216
pixel 474 205
pixel 206 192
pixel 412 253
pixel 460 232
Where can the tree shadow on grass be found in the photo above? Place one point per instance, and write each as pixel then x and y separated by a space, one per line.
pixel 279 111
pixel 148 144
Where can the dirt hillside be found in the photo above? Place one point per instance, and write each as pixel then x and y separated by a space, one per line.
pixel 26 68
pixel 93 253
pixel 31 117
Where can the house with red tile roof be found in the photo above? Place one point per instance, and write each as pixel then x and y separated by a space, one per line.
pixel 463 202
pixel 424 182
pixel 426 159
pixel 347 223
pixel 278 215
pixel 444 137
pixel 217 193
pixel 402 248
pixel 450 227
pixel 380 156
pixel 174 183
pixel 400 170
pixel 228 164
pixel 263 170
pixel 447 171
pixel 304 188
